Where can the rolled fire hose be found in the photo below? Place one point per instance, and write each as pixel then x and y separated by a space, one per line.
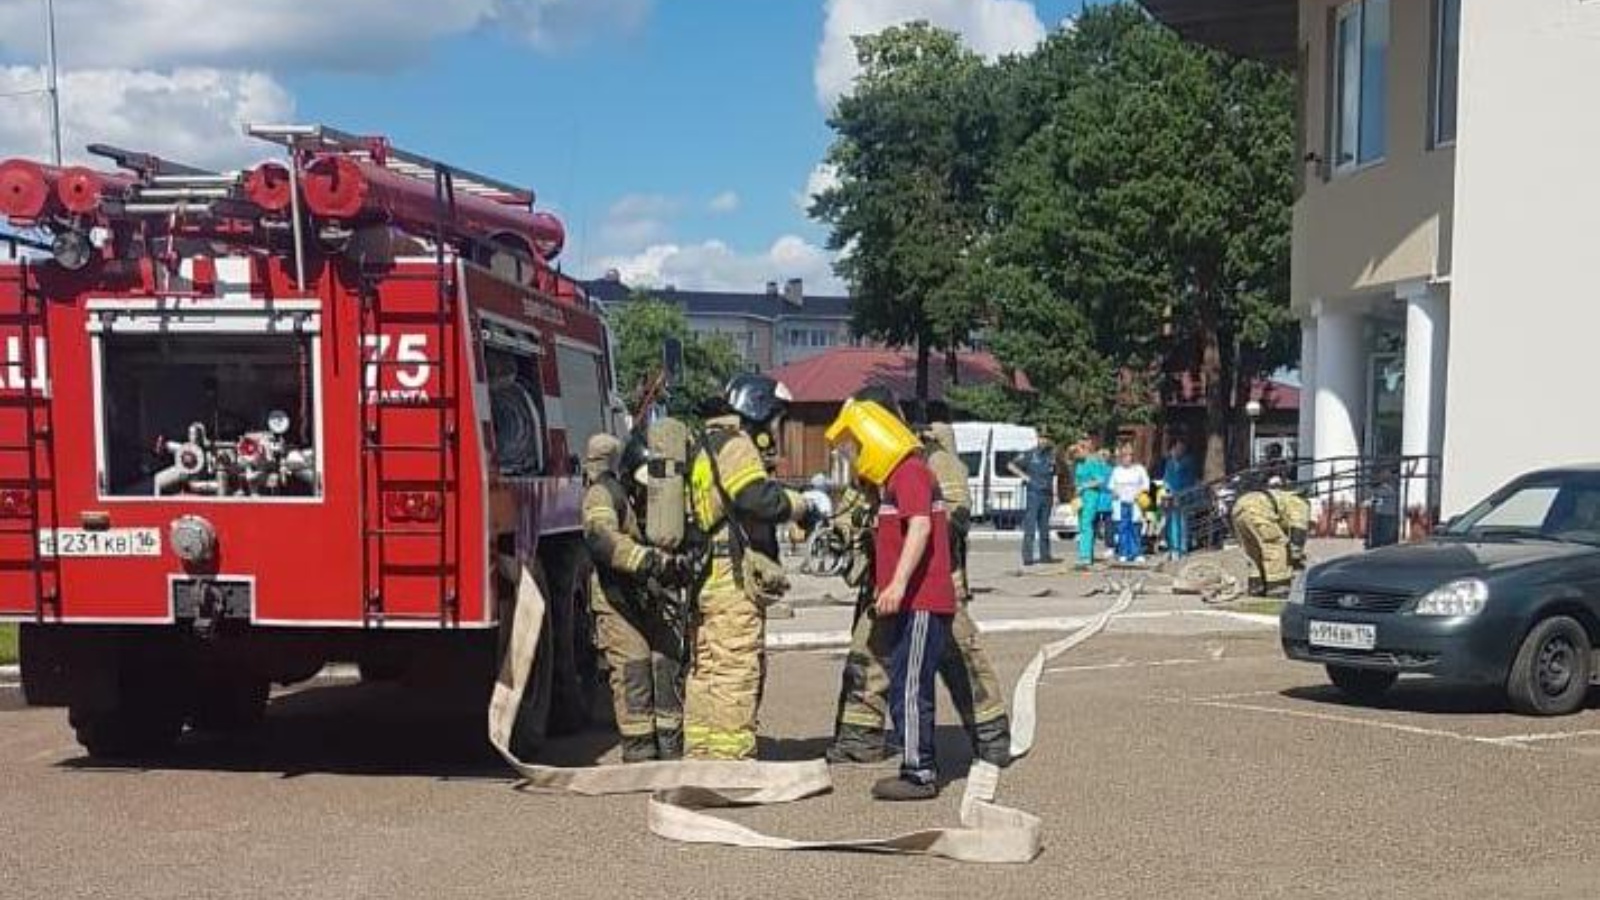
pixel 682 790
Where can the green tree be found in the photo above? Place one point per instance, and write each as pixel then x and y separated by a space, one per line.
pixel 1142 220
pixel 914 143
pixel 643 326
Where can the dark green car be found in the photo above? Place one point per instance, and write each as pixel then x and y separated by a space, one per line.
pixel 1507 594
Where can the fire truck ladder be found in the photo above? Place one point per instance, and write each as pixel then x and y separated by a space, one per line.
pixel 377 568
pixel 36 444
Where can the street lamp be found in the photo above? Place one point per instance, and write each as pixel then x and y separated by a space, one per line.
pixel 1253 411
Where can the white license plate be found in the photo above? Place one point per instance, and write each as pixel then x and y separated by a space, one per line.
pixel 111 542
pixel 1344 635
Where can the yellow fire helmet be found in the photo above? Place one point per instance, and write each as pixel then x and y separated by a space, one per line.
pixel 881 439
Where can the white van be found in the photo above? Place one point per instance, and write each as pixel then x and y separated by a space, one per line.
pixel 988 448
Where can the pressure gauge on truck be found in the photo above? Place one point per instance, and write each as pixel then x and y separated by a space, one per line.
pixel 278 422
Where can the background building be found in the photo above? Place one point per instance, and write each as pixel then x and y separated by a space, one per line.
pixel 772 328
pixel 1447 218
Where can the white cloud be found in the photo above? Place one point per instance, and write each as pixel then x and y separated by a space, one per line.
pixel 637 220
pixel 714 266
pixel 823 178
pixel 991 27
pixel 278 34
pixel 188 115
pixel 725 202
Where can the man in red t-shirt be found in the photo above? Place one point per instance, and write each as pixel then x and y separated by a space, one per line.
pixel 913 577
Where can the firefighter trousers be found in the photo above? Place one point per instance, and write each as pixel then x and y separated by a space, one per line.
pixel 1264 540
pixel 724 683
pixel 646 678
pixel 968 673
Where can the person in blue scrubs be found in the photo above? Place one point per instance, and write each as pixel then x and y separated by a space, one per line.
pixel 1177 476
pixel 1089 477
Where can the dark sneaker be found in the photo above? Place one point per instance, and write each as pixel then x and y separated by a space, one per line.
pixel 897 789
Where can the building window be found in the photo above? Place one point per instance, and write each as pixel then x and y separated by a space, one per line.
pixel 1446 65
pixel 1361 81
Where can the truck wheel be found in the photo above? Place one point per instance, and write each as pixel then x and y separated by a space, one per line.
pixel 229 703
pixel 1550 676
pixel 533 714
pixel 1361 685
pixel 571 692
pixel 139 714
pixel 44 669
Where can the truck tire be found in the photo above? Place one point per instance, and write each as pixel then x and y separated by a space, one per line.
pixel 228 702
pixel 138 710
pixel 533 716
pixel 572 642
pixel 44 666
pixel 1550 675
pixel 1361 685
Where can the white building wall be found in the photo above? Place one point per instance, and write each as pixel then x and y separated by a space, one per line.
pixel 1525 298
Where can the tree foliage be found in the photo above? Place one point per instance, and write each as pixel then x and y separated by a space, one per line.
pixel 642 327
pixel 1107 211
pixel 914 144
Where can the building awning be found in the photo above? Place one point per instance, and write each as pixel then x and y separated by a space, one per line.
pixel 1265 30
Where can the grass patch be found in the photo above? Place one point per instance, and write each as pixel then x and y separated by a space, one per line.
pixel 1259 607
pixel 8 645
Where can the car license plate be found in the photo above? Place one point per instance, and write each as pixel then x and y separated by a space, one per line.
pixel 111 542
pixel 1344 635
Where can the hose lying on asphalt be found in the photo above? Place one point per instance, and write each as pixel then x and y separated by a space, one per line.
pixel 682 791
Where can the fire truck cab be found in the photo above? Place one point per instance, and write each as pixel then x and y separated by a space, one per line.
pixel 255 422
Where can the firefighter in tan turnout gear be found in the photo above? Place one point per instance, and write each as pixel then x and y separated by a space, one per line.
pixel 1272 525
pixel 861 729
pixel 646 685
pixel 739 509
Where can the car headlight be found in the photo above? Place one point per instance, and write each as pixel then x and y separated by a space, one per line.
pixel 1458 598
pixel 1297 588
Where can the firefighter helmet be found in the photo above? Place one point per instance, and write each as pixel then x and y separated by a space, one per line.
pixel 758 399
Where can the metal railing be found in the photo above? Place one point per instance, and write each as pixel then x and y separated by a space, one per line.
pixel 1380 499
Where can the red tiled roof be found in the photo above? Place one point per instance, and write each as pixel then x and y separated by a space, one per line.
pixel 832 376
pixel 1270 394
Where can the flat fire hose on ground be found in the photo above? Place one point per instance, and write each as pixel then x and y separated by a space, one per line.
pixel 682 791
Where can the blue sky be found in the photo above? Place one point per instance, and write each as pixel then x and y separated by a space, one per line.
pixel 675 137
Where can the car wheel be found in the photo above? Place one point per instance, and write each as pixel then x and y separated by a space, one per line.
pixel 1550 676
pixel 1363 685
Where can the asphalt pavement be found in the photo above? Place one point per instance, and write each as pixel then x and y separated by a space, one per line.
pixel 1178 756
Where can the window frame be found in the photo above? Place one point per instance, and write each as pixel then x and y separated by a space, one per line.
pixel 1436 92
pixel 1339 73
pixel 291 318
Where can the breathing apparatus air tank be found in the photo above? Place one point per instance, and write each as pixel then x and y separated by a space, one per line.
pixel 666 486
pixel 881 438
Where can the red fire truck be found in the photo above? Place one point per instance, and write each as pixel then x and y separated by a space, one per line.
pixel 255 422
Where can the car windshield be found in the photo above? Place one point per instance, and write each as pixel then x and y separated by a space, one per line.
pixel 1563 507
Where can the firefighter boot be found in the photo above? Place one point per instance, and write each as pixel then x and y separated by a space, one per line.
pixel 639 749
pixel 669 744
pixel 991 741
pixel 859 745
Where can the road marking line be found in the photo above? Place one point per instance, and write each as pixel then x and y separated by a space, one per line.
pixel 1133 664
pixel 1369 723
pixel 1212 698
pixel 1546 736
